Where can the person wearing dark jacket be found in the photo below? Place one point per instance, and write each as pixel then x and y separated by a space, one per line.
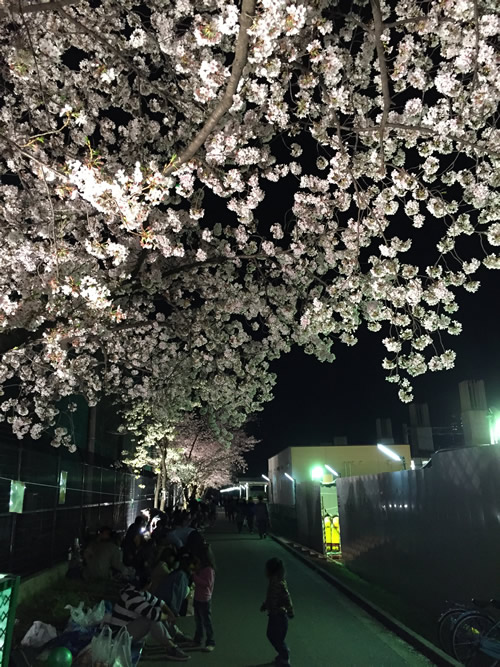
pixel 278 605
pixel 262 517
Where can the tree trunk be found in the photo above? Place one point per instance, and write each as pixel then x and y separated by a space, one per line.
pixel 163 477
pixel 157 491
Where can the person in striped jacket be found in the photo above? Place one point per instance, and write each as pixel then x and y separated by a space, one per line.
pixel 142 613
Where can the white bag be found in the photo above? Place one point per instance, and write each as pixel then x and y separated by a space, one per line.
pixel 86 618
pixel 121 653
pixel 101 647
pixel 38 635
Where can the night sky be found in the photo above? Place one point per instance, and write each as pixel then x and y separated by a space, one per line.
pixel 316 401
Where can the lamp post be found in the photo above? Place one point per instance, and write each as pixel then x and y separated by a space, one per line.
pixel 294 487
pixel 392 455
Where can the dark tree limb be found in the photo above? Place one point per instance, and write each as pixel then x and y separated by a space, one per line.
pixel 226 101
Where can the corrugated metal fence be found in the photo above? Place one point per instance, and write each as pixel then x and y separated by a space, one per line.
pixel 96 495
pixel 431 535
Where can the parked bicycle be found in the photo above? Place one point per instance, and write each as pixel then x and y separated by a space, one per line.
pixel 471 633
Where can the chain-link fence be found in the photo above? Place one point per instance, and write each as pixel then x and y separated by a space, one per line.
pixel 52 517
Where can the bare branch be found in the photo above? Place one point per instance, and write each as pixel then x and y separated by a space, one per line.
pixel 384 75
pixel 419 129
pixel 37 7
pixel 31 157
pixel 225 103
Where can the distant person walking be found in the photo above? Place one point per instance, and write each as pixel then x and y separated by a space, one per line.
pixel 241 513
pixel 231 509
pixel 262 517
pixel 278 605
pixel 250 515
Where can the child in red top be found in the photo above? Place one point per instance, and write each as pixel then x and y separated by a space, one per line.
pixel 278 605
pixel 204 578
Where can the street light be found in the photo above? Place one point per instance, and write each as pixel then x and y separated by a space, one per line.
pixel 317 473
pixel 334 472
pixel 392 455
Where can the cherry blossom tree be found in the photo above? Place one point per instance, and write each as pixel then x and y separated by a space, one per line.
pixel 141 145
pixel 194 454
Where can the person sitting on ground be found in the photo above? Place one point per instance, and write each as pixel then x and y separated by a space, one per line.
pixel 159 534
pixel 182 528
pixel 142 614
pixel 133 541
pixel 164 565
pixel 103 558
pixel 175 588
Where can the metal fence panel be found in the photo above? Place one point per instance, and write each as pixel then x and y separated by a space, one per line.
pixel 41 535
pixel 431 534
pixel 309 522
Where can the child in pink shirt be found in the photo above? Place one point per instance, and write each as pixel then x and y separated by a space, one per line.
pixel 204 578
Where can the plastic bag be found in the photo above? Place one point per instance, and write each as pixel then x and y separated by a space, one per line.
pixel 101 647
pixel 190 603
pixel 121 653
pixel 85 618
pixel 39 634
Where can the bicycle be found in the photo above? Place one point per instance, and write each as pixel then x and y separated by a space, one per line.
pixel 469 633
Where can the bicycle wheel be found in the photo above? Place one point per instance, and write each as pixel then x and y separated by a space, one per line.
pixel 446 625
pixel 467 634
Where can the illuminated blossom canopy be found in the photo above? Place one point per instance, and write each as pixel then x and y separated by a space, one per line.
pixel 141 145
pixel 192 453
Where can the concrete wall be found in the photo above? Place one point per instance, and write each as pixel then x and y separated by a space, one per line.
pixel 432 534
pixel 282 492
pixel 346 460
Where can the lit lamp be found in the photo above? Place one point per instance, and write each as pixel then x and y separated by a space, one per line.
pixel 494 419
pixel 266 478
pixel 294 489
pixel 334 472
pixel 392 455
pixel 317 473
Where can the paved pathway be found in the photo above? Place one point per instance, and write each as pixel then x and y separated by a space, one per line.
pixel 328 629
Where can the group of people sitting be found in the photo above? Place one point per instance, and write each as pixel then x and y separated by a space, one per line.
pixel 165 564
pixel 253 514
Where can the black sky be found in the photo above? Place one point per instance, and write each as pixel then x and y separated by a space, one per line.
pixel 316 401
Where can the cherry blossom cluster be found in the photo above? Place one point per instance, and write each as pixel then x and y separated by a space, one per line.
pixel 160 241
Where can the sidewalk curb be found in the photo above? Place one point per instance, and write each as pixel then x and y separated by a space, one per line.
pixel 425 647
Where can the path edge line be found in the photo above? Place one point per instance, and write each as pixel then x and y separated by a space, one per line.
pixel 424 646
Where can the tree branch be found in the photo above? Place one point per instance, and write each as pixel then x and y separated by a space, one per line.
pixel 225 103
pixel 17 337
pixel 37 7
pixel 384 75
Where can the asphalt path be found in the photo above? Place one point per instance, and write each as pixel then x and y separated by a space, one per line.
pixel 328 629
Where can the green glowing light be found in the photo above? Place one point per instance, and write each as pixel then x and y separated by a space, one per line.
pixel 317 473
pixel 495 430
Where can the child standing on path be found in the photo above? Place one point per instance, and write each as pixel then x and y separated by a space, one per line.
pixel 278 605
pixel 204 579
